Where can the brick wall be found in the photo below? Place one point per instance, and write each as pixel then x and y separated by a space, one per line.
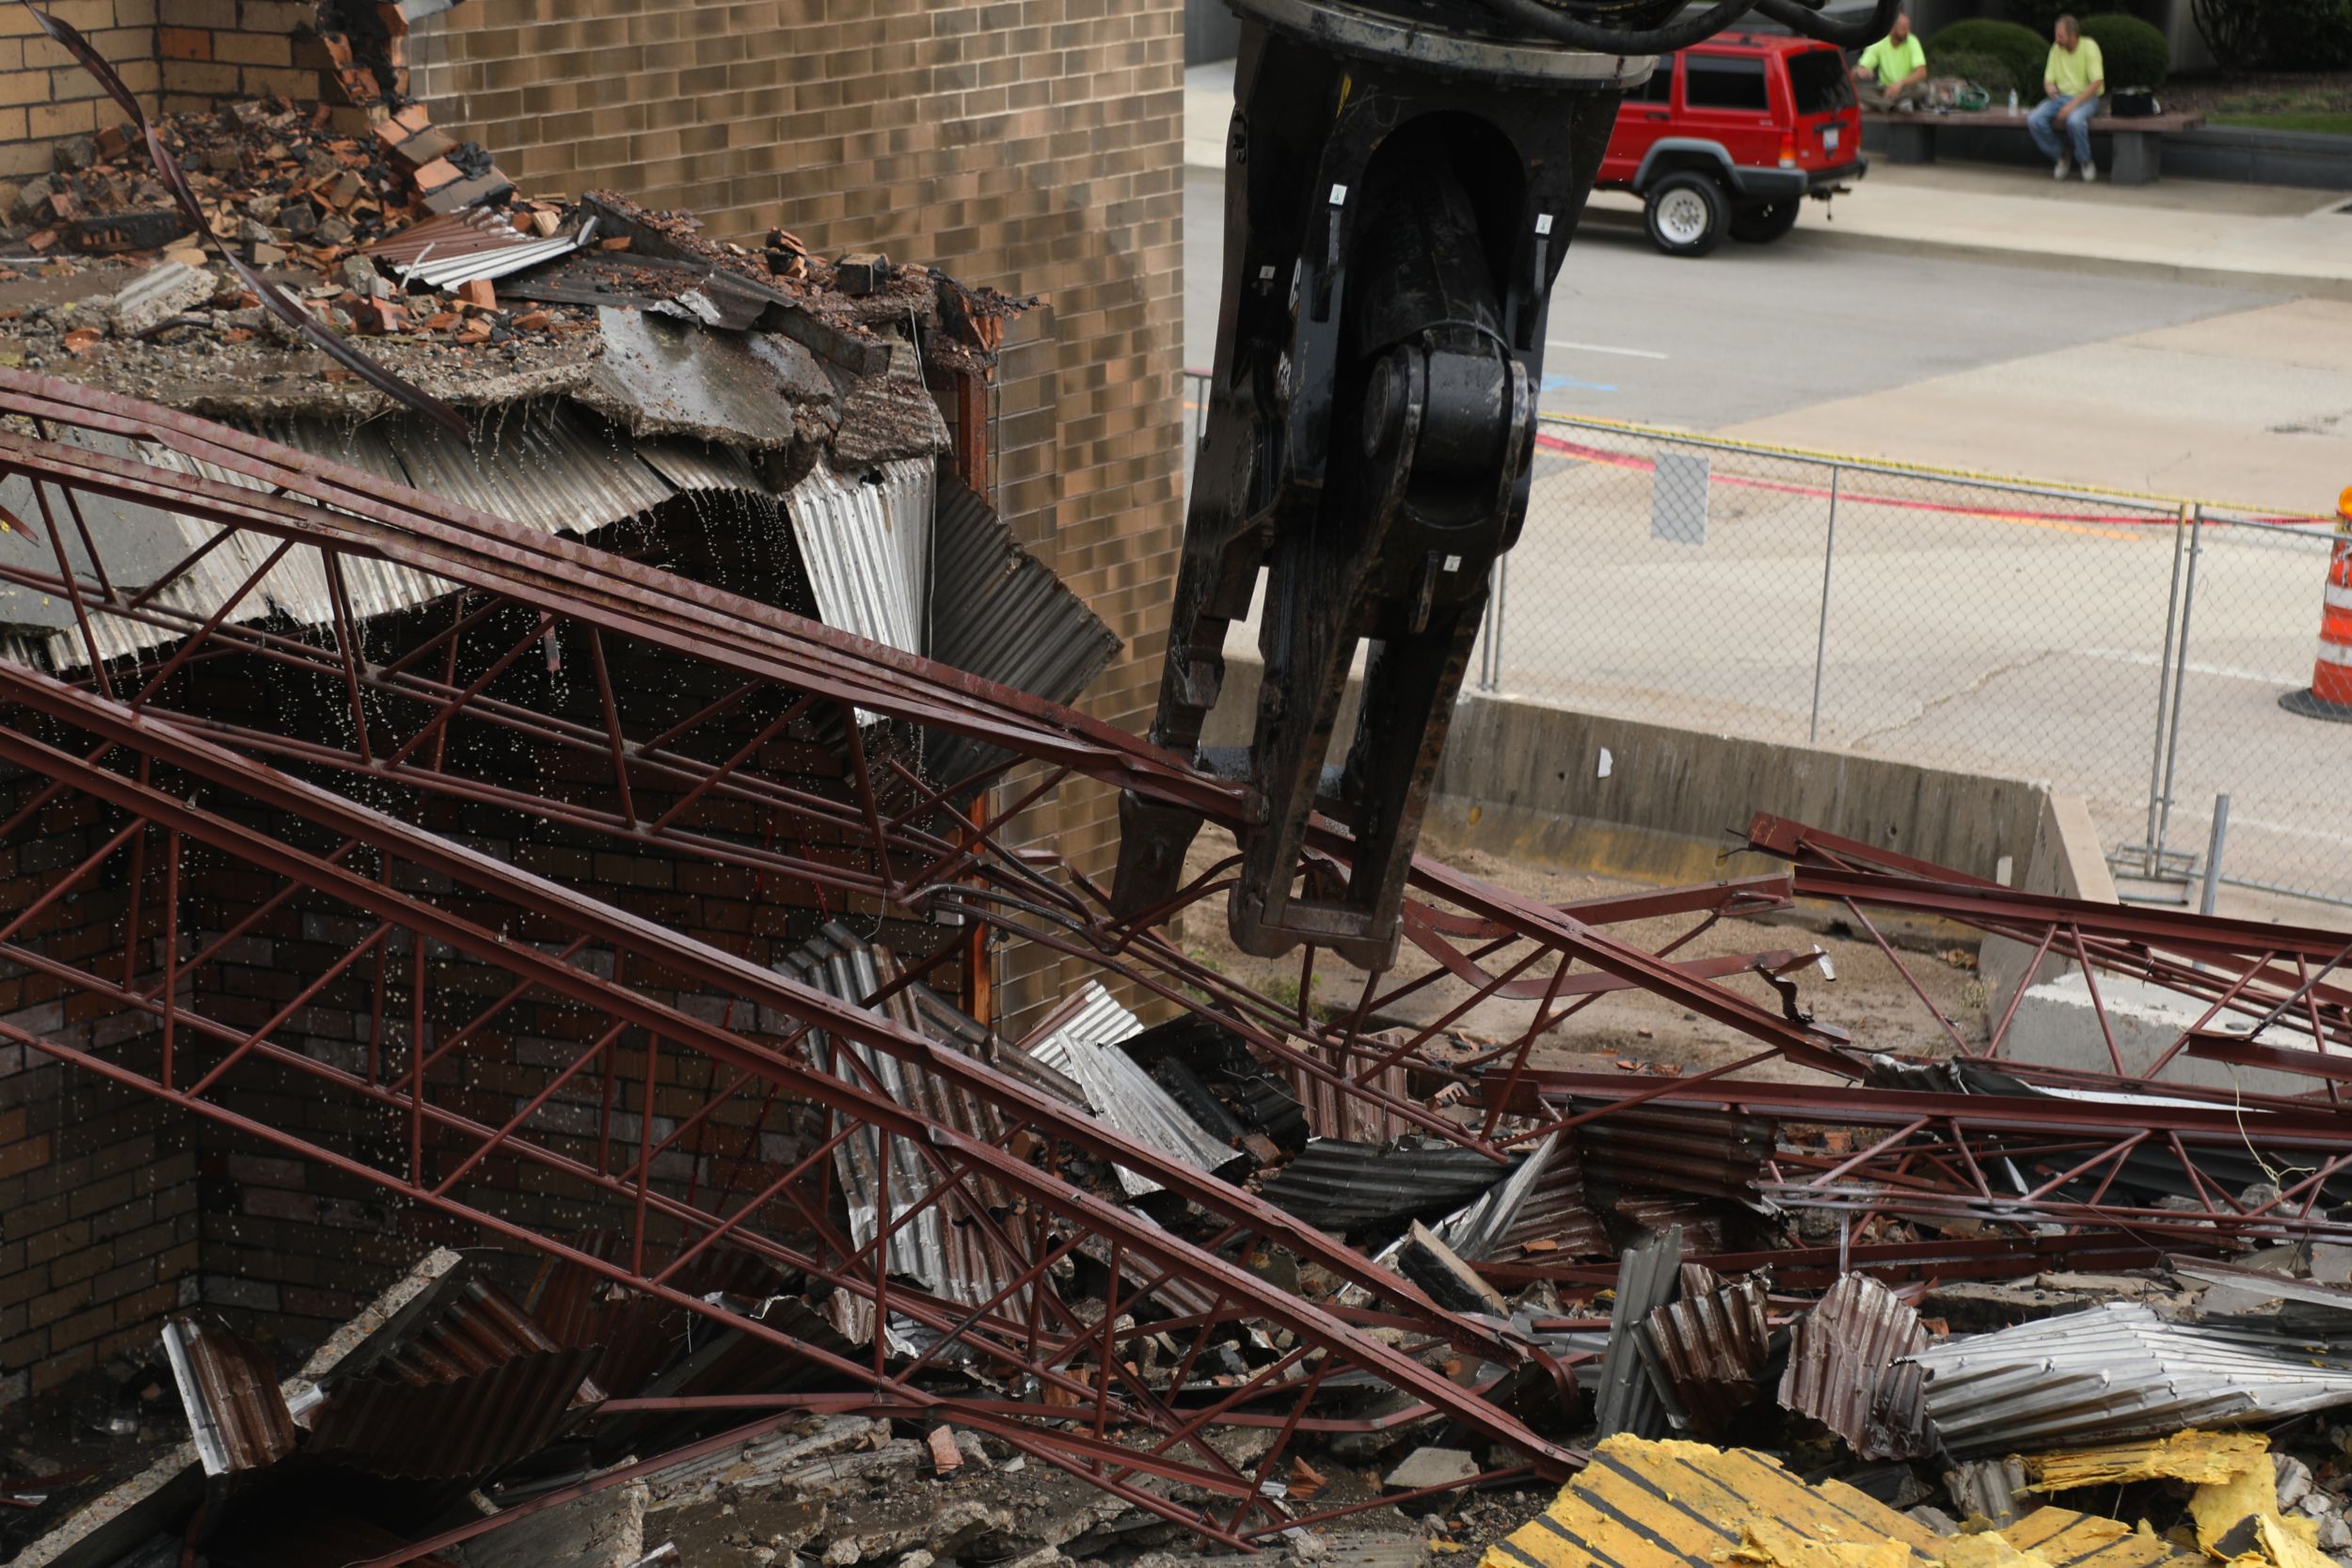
pixel 45 96
pixel 98 1223
pixel 207 50
pixel 1033 145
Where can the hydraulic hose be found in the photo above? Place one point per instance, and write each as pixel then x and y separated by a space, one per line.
pixel 1799 16
pixel 1535 17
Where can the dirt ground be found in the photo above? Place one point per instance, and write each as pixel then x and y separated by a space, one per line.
pixel 1869 998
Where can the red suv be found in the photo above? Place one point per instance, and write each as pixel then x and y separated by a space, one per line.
pixel 1733 135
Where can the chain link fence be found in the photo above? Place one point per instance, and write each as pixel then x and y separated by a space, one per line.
pixel 2125 648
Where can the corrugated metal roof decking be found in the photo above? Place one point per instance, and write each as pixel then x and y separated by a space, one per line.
pixel 1006 617
pixel 1081 1043
pixel 1848 1370
pixel 867 548
pixel 442 1431
pixel 1646 1279
pixel 1710 1347
pixel 1340 1187
pixel 237 1416
pixel 2118 1370
pixel 549 466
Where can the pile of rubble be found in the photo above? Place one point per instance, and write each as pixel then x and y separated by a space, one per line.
pixel 416 245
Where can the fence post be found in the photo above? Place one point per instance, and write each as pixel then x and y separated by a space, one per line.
pixel 2164 691
pixel 1498 611
pixel 1820 637
pixel 2180 680
pixel 2213 842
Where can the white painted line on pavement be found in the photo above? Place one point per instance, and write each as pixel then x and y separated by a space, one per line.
pixel 2227 671
pixel 1604 348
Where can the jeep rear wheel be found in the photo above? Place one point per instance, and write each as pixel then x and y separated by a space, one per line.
pixel 1762 222
pixel 1686 213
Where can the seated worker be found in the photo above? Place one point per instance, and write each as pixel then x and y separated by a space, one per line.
pixel 1893 73
pixel 2073 79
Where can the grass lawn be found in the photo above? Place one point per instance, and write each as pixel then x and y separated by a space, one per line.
pixel 2338 123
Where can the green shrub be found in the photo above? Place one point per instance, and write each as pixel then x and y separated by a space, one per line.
pixel 2135 53
pixel 2306 35
pixel 1988 72
pixel 2018 48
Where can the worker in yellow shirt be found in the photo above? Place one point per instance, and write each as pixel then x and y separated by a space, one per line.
pixel 1893 73
pixel 2073 79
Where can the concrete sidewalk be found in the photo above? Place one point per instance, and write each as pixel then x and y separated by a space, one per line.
pixel 2189 231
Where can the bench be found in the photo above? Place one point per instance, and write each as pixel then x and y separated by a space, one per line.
pixel 2136 160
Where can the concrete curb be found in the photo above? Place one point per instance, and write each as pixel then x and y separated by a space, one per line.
pixel 2043 261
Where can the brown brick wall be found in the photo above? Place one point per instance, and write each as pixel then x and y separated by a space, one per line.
pixel 45 96
pixel 208 50
pixel 1033 145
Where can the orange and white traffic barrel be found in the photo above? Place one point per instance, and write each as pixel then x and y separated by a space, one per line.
pixel 2330 692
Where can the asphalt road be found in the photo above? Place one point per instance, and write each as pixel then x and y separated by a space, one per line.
pixel 1754 331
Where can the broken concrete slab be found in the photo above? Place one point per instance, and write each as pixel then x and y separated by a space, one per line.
pixel 764 1463
pixel 660 376
pixel 162 292
pixel 119 1518
pixel 603 1530
pixel 1426 1467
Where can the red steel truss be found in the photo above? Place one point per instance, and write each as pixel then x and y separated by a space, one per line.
pixel 431 623
pixel 461 605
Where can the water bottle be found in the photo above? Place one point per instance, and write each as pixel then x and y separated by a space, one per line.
pixel 2012 102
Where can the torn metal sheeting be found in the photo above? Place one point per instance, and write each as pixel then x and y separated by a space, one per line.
pixel 1648 1278
pixel 1849 1369
pixel 1711 1345
pixel 1541 1201
pixel 549 466
pixel 2117 1371
pixel 866 544
pixel 1995 1488
pixel 1333 1112
pixel 839 963
pixel 237 1418
pixel 1675 1149
pixel 470 1327
pixel 1006 617
pixel 1344 1187
pixel 472 232
pixel 443 1431
pixel 1083 1048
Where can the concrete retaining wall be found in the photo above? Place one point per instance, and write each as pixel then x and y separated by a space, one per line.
pixel 1528 780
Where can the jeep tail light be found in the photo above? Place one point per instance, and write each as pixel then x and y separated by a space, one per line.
pixel 1788 152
